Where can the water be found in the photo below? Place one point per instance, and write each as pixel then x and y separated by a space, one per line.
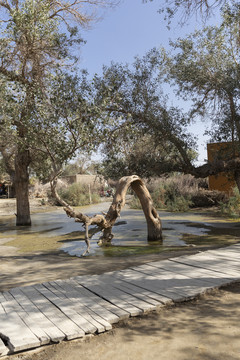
pixel 53 231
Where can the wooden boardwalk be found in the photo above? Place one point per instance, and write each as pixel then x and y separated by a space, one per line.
pixel 50 312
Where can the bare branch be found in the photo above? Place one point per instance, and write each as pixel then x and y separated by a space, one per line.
pixel 12 76
pixel 105 223
pixel 76 11
pixel 5 4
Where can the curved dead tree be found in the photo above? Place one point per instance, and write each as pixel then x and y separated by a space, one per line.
pixel 106 221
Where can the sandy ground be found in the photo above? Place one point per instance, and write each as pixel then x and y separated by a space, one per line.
pixel 8 206
pixel 207 328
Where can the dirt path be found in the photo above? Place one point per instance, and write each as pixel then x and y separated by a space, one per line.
pixel 8 206
pixel 204 329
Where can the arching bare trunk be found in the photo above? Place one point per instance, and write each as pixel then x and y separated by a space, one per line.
pixel 105 223
pixel 153 221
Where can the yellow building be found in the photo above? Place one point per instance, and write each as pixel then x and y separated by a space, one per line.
pixel 223 181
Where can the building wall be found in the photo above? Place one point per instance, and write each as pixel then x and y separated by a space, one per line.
pixel 223 181
pixel 82 179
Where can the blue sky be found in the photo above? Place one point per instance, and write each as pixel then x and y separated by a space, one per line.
pixel 131 29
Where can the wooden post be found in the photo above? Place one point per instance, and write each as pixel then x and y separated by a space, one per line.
pixel 90 194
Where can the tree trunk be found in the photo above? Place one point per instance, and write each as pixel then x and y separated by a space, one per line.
pixel 105 222
pixel 154 226
pixel 22 161
pixel 237 178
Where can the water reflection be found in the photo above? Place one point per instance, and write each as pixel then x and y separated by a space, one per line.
pixel 130 233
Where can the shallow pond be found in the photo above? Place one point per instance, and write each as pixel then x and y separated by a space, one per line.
pixel 53 231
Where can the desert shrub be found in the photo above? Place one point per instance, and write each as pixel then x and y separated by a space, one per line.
pixel 207 198
pixel 78 195
pixel 159 197
pixel 135 203
pixel 180 192
pixel 95 198
pixel 179 203
pixel 232 206
pixel 173 193
pixel 165 195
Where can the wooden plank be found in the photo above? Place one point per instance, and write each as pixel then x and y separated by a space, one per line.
pixel 91 302
pixel 65 306
pixel 74 299
pixel 136 291
pixel 214 278
pixel 14 330
pixel 37 316
pixel 128 295
pixel 175 282
pixel 2 311
pixel 112 295
pixel 112 284
pixel 67 316
pixel 120 274
pixel 216 257
pixel 13 305
pixel 120 313
pixel 219 258
pixel 51 312
pixel 217 267
pixel 109 283
pixel 150 284
pixel 31 316
pixel 230 259
pixel 227 253
pixel 18 336
pixel 153 284
pixel 3 349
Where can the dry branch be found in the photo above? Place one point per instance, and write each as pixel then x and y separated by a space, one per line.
pixel 106 222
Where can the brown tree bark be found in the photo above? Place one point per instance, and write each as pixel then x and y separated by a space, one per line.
pixel 105 222
pixel 22 161
pixel 237 178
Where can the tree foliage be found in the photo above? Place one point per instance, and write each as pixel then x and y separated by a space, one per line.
pixel 143 128
pixel 37 41
pixel 203 67
pixel 184 9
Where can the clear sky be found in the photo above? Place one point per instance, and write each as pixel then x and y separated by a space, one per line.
pixel 131 29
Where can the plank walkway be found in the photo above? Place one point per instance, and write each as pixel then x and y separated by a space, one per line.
pixel 50 312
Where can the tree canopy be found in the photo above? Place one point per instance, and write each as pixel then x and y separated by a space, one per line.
pixel 37 54
pixel 203 68
pixel 184 9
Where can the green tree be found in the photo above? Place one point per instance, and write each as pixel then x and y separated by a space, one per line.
pixel 146 135
pixel 66 125
pixel 203 67
pixel 206 69
pixel 184 9
pixel 37 39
